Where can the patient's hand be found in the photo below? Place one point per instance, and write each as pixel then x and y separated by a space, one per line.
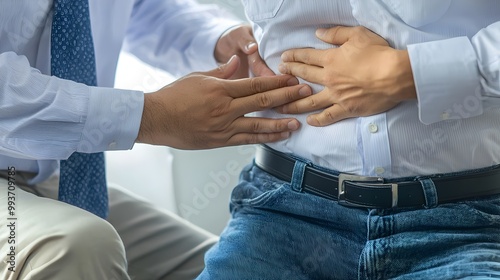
pixel 363 76
pixel 240 41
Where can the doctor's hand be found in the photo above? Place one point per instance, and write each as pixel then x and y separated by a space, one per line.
pixel 239 41
pixel 204 110
pixel 363 76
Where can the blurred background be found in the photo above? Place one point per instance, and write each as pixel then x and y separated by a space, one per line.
pixel 232 6
pixel 194 184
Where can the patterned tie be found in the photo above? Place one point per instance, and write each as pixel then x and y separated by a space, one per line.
pixel 82 177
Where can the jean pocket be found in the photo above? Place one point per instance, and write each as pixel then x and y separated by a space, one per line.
pixel 487 208
pixel 258 10
pixel 257 189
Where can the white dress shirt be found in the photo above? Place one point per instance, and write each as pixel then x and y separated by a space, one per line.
pixel 44 119
pixel 454 48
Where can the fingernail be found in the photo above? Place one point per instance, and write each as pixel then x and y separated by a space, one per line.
pixel 284 56
pixel 321 32
pixel 250 46
pixel 282 68
pixel 305 91
pixel 293 125
pixel 292 81
pixel 312 121
pixel 231 59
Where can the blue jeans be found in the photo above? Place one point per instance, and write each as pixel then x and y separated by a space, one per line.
pixel 278 232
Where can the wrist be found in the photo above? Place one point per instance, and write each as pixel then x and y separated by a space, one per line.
pixel 405 80
pixel 146 130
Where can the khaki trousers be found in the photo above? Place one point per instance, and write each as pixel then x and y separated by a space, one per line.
pixel 42 238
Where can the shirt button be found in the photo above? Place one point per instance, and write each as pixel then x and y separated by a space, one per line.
pixel 373 128
pixel 445 116
pixel 112 145
pixel 379 170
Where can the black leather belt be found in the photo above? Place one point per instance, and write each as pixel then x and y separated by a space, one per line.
pixel 377 192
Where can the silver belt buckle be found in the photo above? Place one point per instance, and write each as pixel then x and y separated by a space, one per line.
pixel 379 181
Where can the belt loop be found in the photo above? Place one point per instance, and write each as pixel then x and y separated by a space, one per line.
pixel 430 193
pixel 298 175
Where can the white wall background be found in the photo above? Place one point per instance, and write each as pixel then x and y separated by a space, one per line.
pixel 194 184
pixel 233 6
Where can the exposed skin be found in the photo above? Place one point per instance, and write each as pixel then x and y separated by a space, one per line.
pixel 240 41
pixel 205 110
pixel 364 76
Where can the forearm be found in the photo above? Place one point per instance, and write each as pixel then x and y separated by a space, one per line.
pixel 44 117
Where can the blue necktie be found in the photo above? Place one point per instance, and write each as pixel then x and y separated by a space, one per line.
pixel 82 176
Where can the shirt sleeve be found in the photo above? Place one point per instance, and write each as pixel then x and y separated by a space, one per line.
pixel 178 36
pixel 45 117
pixel 456 77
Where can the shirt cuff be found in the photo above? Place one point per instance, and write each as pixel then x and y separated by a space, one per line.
pixel 447 79
pixel 204 58
pixel 113 120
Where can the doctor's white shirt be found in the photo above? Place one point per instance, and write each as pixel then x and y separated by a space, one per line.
pixel 44 119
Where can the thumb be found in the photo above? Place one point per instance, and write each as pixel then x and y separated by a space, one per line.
pixel 258 66
pixel 336 35
pixel 226 70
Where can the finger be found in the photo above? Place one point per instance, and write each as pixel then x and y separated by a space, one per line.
pixel 337 35
pixel 251 86
pixel 249 48
pixel 312 103
pixel 245 40
pixel 264 125
pixel 258 67
pixel 248 45
pixel 309 73
pixel 269 99
pixel 306 56
pixel 328 116
pixel 252 130
pixel 226 70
